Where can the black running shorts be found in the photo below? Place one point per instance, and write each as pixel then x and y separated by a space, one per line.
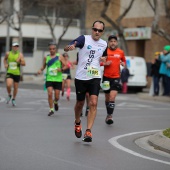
pixel 82 86
pixel 114 84
pixel 16 78
pixel 55 85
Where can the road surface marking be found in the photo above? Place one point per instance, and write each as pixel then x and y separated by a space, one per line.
pixel 114 142
pixel 133 105
pixel 14 108
pixel 2 99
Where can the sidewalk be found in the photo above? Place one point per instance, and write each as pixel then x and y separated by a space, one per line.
pixel 146 96
pixel 160 142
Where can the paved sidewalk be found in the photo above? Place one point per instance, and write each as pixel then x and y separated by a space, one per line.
pixel 146 96
pixel 159 141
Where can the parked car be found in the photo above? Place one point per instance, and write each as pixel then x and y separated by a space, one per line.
pixel 138 72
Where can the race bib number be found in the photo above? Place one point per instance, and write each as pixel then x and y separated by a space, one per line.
pixel 93 72
pixel 13 65
pixel 52 71
pixel 64 76
pixel 106 85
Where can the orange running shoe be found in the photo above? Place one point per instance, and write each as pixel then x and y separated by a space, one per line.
pixel 87 136
pixel 78 130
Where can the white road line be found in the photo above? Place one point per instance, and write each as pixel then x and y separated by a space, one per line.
pixel 2 99
pixel 14 108
pixel 114 142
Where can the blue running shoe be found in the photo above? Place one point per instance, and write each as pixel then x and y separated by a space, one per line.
pixel 8 99
pixel 13 102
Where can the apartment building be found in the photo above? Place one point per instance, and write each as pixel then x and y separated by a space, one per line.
pixel 137 24
pixel 36 33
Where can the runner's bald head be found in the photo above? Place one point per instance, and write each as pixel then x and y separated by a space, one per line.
pixel 52 43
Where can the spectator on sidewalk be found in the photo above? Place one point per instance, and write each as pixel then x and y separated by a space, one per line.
pixel 155 73
pixel 165 69
pixel 124 79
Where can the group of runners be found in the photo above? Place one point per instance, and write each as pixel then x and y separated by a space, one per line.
pixel 93 53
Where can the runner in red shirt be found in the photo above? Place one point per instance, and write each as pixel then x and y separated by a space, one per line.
pixel 111 75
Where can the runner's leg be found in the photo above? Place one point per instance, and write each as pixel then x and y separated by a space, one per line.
pixel 93 99
pixel 68 82
pixel 50 97
pixel 16 85
pixel 63 87
pixel 9 83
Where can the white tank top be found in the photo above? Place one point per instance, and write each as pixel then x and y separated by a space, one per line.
pixel 89 59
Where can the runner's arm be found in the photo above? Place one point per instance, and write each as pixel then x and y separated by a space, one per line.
pixel 43 66
pixel 123 60
pixel 64 65
pixel 5 60
pixel 21 60
pixel 71 65
pixel 104 57
pixel 78 42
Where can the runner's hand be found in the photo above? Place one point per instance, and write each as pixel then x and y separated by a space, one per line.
pixel 6 65
pixel 70 47
pixel 107 63
pixel 39 72
pixel 103 59
pixel 18 60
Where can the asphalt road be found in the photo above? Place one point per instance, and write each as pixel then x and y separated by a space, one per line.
pixel 30 140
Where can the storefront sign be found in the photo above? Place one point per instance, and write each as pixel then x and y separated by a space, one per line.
pixel 137 33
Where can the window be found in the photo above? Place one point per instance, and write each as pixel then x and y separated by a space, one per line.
pixel 28 46
pixel 42 44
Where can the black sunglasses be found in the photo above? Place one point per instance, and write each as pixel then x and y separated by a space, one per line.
pixel 95 29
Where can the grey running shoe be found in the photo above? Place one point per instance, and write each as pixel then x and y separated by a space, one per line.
pixel 109 119
pixel 51 112
pixel 13 102
pixel 8 99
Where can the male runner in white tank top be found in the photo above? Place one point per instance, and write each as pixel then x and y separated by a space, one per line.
pixel 88 75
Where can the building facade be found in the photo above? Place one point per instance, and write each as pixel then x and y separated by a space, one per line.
pixel 35 35
pixel 137 25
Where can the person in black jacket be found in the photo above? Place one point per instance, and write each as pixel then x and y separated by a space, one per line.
pixel 124 78
pixel 155 73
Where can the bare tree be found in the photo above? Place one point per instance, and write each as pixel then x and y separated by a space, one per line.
pixel 15 21
pixel 70 7
pixel 117 23
pixel 17 18
pixel 156 28
pixel 3 14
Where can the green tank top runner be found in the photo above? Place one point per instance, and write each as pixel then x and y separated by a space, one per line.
pixel 13 66
pixel 51 72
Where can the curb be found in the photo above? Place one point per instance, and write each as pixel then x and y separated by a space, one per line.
pixel 160 142
pixel 153 98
